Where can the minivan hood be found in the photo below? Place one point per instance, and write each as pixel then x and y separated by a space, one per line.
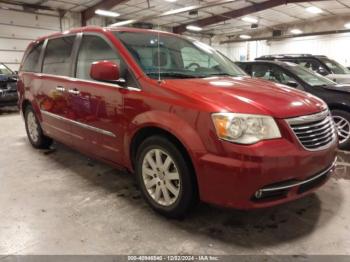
pixel 247 95
pixel 339 78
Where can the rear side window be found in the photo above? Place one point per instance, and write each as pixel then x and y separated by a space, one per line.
pixel 31 62
pixel 57 60
pixel 93 48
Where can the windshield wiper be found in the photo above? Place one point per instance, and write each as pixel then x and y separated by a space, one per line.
pixel 172 74
pixel 221 74
pixel 321 85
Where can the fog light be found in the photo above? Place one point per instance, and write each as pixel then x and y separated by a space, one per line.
pixel 258 194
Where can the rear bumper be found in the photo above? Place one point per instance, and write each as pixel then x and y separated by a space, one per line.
pixel 262 175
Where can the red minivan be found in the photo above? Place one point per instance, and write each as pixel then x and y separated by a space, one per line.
pixel 180 115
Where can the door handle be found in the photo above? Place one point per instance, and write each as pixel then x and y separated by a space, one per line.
pixel 60 88
pixel 74 91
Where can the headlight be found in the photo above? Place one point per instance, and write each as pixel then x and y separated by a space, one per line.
pixel 245 128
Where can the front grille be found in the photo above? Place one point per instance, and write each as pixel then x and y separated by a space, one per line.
pixel 8 86
pixel 12 86
pixel 314 132
pixel 3 85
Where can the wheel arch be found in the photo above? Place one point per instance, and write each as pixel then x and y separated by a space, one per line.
pixel 150 131
pixel 24 105
pixel 169 125
pixel 27 102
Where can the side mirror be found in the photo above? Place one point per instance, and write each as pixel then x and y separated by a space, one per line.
pixel 292 84
pixel 104 71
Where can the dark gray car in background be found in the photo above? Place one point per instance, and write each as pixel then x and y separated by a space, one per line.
pixel 336 96
pixel 8 86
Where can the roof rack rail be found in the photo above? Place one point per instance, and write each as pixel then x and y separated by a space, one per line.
pixel 286 55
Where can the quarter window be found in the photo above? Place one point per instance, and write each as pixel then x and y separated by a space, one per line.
pixel 57 59
pixel 31 62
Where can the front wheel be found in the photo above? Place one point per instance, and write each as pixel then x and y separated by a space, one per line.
pixel 34 132
pixel 165 177
pixel 342 121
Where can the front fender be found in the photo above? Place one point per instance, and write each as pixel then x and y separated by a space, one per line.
pixel 171 123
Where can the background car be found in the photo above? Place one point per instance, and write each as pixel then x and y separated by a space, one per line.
pixel 8 86
pixel 336 96
pixel 317 63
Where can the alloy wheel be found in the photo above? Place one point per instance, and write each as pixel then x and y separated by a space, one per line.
pixel 32 127
pixel 343 128
pixel 161 177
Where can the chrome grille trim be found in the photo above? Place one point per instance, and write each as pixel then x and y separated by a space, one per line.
pixel 323 122
pixel 314 132
pixel 308 118
pixel 315 139
pixel 327 126
pixel 325 131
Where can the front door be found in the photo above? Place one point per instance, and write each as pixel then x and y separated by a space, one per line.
pixel 97 107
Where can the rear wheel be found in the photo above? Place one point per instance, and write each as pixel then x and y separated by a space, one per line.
pixel 34 132
pixel 165 178
pixel 342 121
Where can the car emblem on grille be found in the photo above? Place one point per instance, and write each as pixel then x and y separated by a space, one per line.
pixel 308 118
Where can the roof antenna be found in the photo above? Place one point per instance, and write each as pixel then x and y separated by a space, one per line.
pixel 158 51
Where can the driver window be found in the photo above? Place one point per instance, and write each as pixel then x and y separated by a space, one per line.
pixel 271 73
pixel 261 71
pixel 194 59
pixel 93 48
pixel 281 77
pixel 312 65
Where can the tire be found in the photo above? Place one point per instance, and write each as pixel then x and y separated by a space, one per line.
pixel 342 121
pixel 34 132
pixel 167 193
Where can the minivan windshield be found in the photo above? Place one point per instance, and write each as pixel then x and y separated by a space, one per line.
pixel 309 77
pixel 169 56
pixel 334 66
pixel 4 70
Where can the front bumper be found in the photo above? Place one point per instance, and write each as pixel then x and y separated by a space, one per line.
pixel 282 189
pixel 245 178
pixel 8 98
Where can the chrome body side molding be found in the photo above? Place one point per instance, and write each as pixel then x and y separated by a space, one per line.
pixel 91 128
